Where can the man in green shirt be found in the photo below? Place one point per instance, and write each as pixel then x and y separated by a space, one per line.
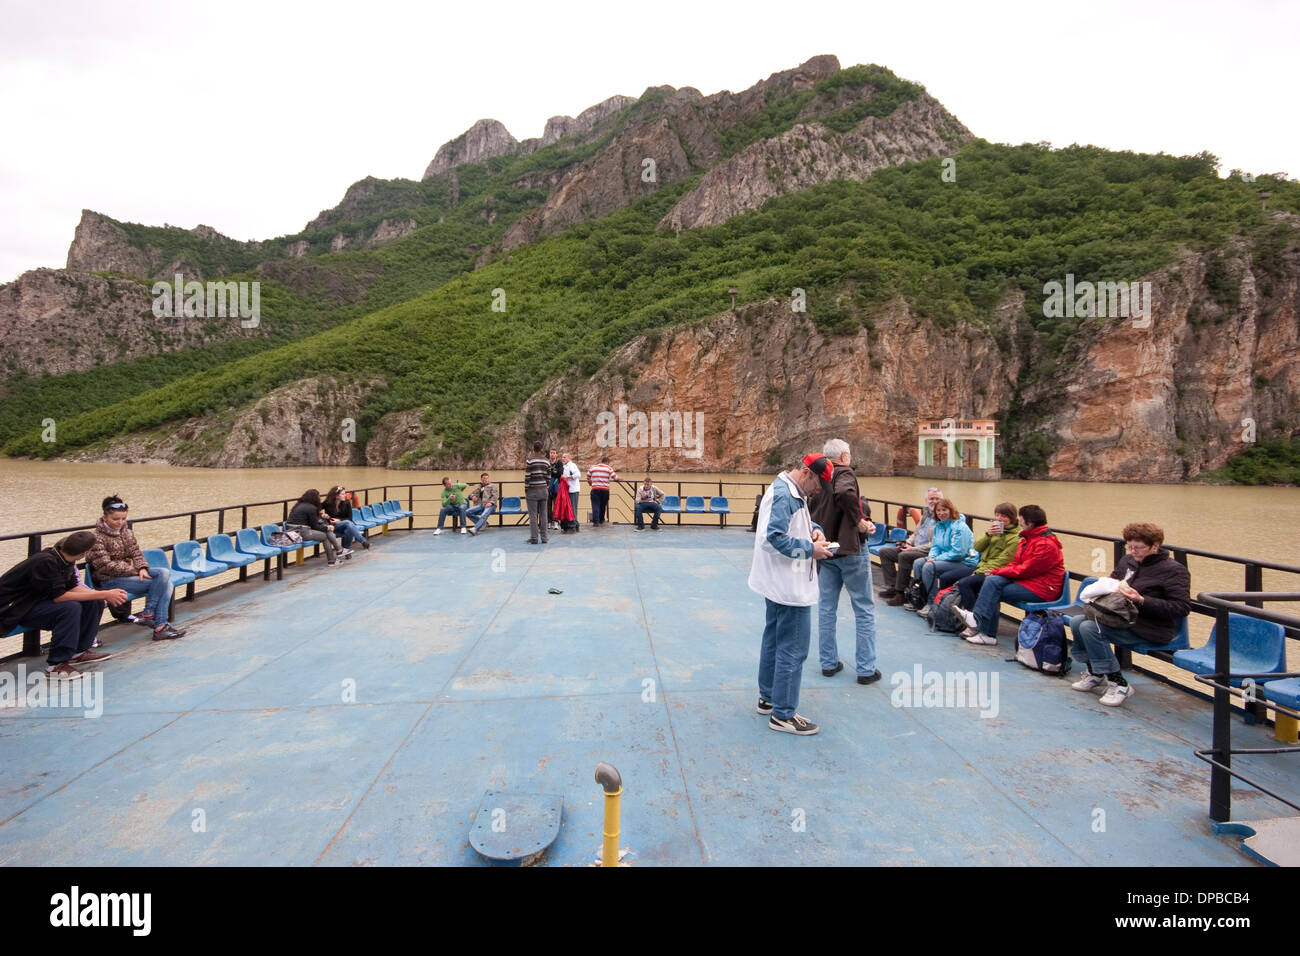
pixel 454 503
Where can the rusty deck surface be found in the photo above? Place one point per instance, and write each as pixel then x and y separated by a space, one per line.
pixel 358 715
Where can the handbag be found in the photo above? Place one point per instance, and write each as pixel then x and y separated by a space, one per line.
pixel 1113 610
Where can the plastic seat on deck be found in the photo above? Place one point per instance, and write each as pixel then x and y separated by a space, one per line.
pixel 512 506
pixel 695 504
pixel 361 522
pixel 188 556
pixel 247 541
pixel 671 505
pixel 877 537
pixel 157 558
pixel 1060 604
pixel 379 521
pixel 270 529
pixel 398 510
pixel 720 506
pixel 895 536
pixel 1255 647
pixel 221 550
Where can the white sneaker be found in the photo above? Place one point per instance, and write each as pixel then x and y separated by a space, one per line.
pixel 1117 694
pixel 1091 681
pixel 345 553
pixel 462 530
pixel 979 638
pixel 472 531
pixel 968 617
pixel 925 611
pixel 968 632
pixel 437 531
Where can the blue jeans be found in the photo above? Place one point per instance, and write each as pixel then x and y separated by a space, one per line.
pixel 479 514
pixel 969 589
pixel 786 634
pixel 348 532
pixel 457 513
pixel 940 574
pixel 996 589
pixel 158 591
pixel 853 572
pixel 648 507
pixel 74 623
pixel 1092 641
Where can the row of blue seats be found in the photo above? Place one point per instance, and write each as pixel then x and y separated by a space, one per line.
pixel 189 562
pixel 672 505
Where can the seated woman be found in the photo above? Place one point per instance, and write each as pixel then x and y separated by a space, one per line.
pixel 996 547
pixel 1161 589
pixel 338 509
pixel 950 554
pixel 1036 573
pixel 306 520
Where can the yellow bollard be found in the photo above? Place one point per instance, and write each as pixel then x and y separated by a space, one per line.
pixel 612 784
pixel 1286 728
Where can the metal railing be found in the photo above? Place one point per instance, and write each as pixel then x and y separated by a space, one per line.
pixel 1221 752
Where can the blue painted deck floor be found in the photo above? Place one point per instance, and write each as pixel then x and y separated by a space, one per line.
pixel 358 715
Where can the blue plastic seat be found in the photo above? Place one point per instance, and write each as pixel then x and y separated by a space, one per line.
pixel 719 506
pixel 1284 692
pixel 511 506
pixel 695 505
pixel 398 510
pixel 188 556
pixel 1060 604
pixel 895 535
pixel 361 521
pixel 1256 647
pixel 157 558
pixel 877 537
pixel 221 550
pixel 672 505
pixel 368 513
pixel 247 542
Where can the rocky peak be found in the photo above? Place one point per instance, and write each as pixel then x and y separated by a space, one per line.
pixel 558 127
pixel 350 208
pixel 482 141
pixel 101 245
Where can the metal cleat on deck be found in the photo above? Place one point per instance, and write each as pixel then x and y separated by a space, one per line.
pixel 515 829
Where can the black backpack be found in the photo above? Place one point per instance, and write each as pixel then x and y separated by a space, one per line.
pixel 942 617
pixel 914 596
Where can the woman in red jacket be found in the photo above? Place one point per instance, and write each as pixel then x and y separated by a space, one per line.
pixel 1036 573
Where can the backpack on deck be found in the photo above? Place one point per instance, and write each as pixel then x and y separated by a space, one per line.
pixel 1040 643
pixel 914 596
pixel 942 617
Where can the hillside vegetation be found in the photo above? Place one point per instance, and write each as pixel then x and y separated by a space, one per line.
pixel 1015 218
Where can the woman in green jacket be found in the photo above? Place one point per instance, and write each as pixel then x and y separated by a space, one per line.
pixel 996 547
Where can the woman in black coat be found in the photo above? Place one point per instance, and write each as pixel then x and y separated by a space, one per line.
pixel 305 518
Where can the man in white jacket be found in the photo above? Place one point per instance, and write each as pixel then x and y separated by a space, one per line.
pixel 785 546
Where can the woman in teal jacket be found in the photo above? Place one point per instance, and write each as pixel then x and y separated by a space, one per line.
pixel 951 556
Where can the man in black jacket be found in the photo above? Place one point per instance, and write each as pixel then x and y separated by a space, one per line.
pixel 837 507
pixel 43 593
pixel 1161 589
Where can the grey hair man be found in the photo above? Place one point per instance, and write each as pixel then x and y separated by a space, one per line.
pixel 896 560
pixel 837 508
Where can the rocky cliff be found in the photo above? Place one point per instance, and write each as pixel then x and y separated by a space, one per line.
pixel 482 141
pixel 53 321
pixel 101 244
pixel 809 155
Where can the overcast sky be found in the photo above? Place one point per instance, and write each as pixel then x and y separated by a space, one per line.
pixel 252 117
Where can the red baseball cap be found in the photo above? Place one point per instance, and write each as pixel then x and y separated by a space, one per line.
pixel 820 466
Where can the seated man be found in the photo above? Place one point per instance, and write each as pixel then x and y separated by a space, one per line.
pixel 649 500
pixel 454 503
pixel 42 593
pixel 1036 573
pixel 116 561
pixel 896 560
pixel 485 502
pixel 1161 589
pixel 996 548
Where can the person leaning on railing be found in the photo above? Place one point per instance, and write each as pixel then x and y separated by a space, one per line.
pixel 42 593
pixel 1161 589
pixel 305 518
pixel 338 511
pixel 116 561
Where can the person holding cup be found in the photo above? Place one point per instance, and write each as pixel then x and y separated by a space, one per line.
pixel 997 546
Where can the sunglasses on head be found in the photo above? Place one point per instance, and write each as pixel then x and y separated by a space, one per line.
pixel 120 506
